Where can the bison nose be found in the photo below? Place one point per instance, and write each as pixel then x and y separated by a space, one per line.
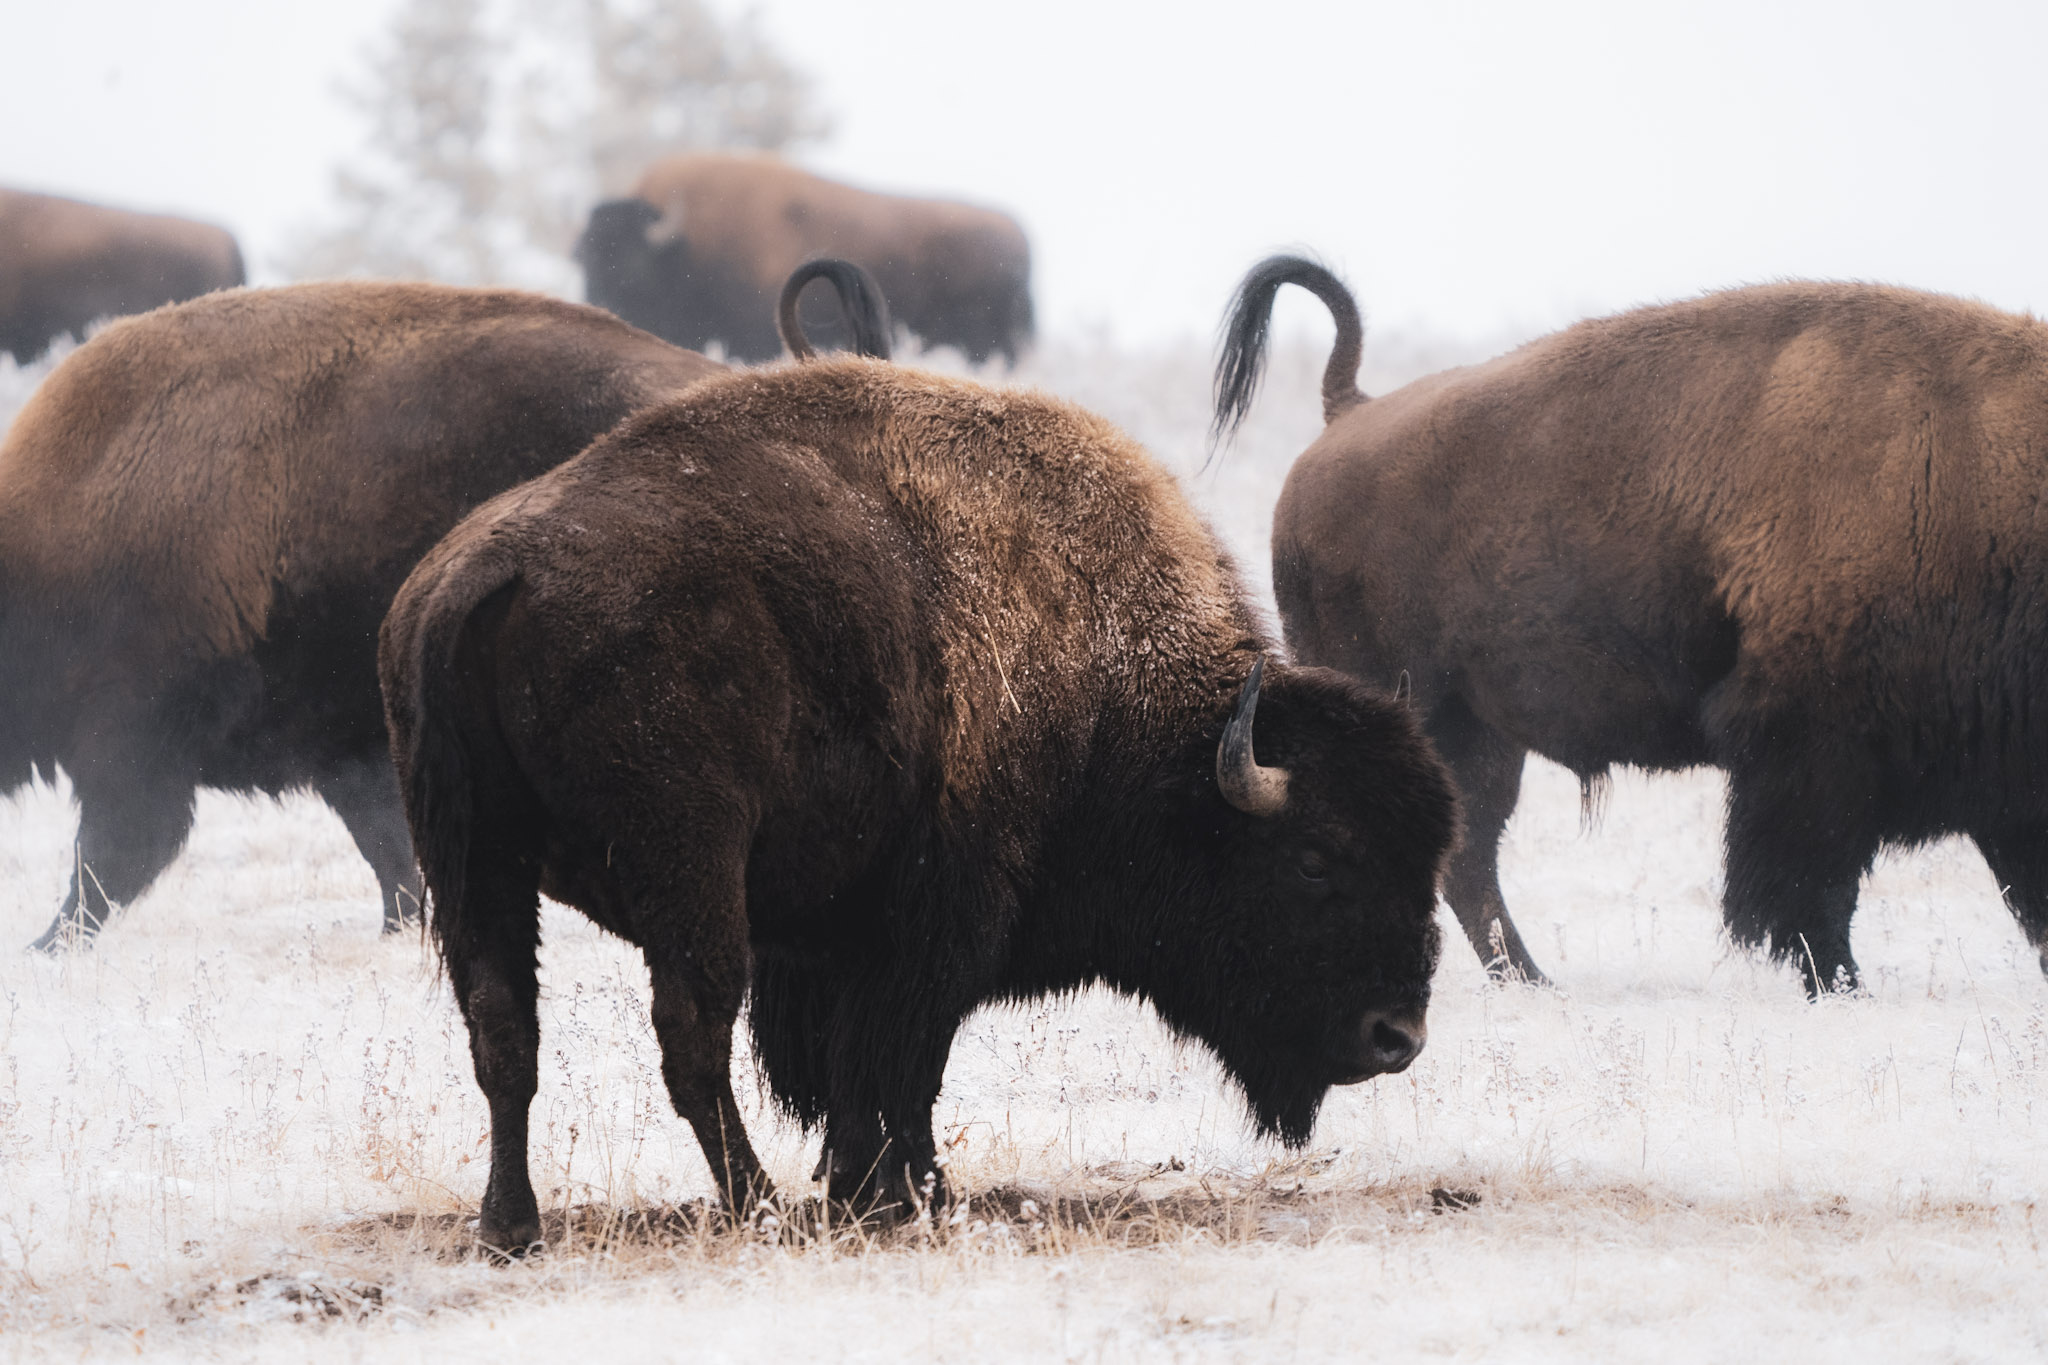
pixel 1390 1040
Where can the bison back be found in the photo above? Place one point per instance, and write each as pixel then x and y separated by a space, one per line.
pixel 1630 535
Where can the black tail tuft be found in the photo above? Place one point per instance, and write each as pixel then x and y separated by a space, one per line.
pixel 867 313
pixel 1242 361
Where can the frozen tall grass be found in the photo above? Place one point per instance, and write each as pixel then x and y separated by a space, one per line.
pixel 208 1124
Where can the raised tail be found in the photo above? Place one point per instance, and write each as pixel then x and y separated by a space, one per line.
pixel 860 298
pixel 427 663
pixel 1242 362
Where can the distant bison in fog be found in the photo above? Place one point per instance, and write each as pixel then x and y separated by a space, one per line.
pixel 882 695
pixel 1794 531
pixel 64 264
pixel 697 255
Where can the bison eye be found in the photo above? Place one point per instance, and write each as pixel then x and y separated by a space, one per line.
pixel 1312 867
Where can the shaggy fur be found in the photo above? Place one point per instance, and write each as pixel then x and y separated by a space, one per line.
pixel 1791 531
pixel 64 264
pixel 698 253
pixel 204 513
pixel 886 695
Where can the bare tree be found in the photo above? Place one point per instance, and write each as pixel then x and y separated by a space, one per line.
pixel 667 75
pixel 492 129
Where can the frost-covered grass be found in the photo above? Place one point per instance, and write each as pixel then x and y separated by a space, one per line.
pixel 245 1127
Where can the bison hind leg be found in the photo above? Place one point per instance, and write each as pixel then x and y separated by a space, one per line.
pixel 364 793
pixel 1488 770
pixel 696 1004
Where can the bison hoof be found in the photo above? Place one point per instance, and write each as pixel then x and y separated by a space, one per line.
pixel 1844 982
pixel 66 934
pixel 506 1234
pixel 889 1202
pixel 509 1244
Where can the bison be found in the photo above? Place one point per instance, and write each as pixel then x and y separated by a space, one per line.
pixel 1791 531
pixel 204 513
pixel 64 264
pixel 883 695
pixel 697 254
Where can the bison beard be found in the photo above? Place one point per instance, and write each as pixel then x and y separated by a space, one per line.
pixel 885 696
pixel 1789 531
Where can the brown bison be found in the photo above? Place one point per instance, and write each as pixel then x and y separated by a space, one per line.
pixel 64 264
pixel 1793 531
pixel 697 255
pixel 885 695
pixel 204 513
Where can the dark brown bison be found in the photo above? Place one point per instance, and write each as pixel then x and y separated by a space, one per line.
pixel 204 513
pixel 64 264
pixel 697 255
pixel 1794 532
pixel 887 695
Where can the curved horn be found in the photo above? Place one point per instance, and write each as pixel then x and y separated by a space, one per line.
pixel 1244 784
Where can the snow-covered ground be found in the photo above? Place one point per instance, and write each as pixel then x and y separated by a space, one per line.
pixel 216 1127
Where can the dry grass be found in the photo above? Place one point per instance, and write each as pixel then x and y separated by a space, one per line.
pixel 244 1126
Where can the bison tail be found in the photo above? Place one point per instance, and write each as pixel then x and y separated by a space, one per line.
pixel 446 753
pixel 1243 359
pixel 860 298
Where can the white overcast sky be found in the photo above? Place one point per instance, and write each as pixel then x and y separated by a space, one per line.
pixel 1475 168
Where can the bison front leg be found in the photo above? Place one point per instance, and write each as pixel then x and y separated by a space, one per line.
pixel 887 1064
pixel 1793 868
pixel 907 1110
pixel 133 818
pixel 878 1168
pixel 1488 771
pixel 694 1012
pixel 2019 860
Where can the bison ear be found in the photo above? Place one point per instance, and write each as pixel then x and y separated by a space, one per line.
pixel 1244 784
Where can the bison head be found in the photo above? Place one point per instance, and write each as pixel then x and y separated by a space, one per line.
pixel 1300 940
pixel 627 272
pixel 639 264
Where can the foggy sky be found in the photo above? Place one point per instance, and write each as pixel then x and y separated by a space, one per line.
pixel 1477 168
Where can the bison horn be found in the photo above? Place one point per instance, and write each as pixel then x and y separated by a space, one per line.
pixel 1244 784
